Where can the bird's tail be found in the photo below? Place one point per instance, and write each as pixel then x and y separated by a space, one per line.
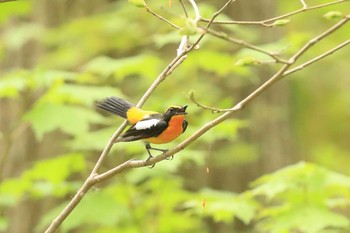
pixel 115 105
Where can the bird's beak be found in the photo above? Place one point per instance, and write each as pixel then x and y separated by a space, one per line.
pixel 182 110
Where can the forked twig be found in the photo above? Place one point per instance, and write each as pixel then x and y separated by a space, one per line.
pixel 269 22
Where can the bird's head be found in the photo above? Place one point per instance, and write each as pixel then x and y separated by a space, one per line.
pixel 175 110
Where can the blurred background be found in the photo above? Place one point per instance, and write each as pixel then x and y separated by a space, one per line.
pixel 280 165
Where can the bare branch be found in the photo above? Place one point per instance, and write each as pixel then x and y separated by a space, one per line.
pixel 196 10
pixel 320 37
pixel 303 3
pixel 267 22
pixel 184 8
pixel 310 62
pixel 284 69
pixel 245 44
pixel 161 18
pixel 216 14
pixel 214 110
pixel 183 45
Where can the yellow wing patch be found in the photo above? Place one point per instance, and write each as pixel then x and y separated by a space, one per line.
pixel 134 114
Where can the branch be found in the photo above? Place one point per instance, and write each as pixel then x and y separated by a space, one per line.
pixel 310 62
pixel 161 17
pixel 243 43
pixel 267 22
pixel 284 70
pixel 184 8
pixel 303 3
pixel 216 14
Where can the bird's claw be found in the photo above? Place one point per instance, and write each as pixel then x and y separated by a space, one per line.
pixel 147 160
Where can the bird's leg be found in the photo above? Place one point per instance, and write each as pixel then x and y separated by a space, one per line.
pixel 148 147
pixel 162 150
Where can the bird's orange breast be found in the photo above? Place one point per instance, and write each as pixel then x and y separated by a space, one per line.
pixel 173 130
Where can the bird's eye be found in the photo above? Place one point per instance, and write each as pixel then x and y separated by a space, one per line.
pixel 171 110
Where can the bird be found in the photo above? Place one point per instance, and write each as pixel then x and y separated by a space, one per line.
pixel 148 126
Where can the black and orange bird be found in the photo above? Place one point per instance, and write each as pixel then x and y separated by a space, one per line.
pixel 148 126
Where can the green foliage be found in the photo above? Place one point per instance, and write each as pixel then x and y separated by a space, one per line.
pixel 16 82
pixel 145 200
pixel 70 119
pixel 298 196
pixel 46 178
pixel 144 65
pixel 223 206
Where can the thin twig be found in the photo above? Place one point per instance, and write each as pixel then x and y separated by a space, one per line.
pixel 183 45
pixel 267 22
pixel 284 69
pixel 196 10
pixel 318 38
pixel 213 109
pixel 216 14
pixel 310 62
pixel 243 43
pixel 161 18
pixel 303 3
pixel 184 8
pixel 288 72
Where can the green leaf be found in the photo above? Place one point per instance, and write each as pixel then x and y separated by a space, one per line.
pixel 138 3
pixel 247 61
pixel 333 15
pixel 74 120
pixel 281 22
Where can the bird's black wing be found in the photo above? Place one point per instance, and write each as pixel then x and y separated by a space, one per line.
pixel 146 128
